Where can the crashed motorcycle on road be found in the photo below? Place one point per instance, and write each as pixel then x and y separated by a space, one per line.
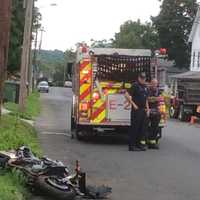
pixel 51 177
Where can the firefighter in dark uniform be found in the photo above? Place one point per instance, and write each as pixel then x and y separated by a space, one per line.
pixel 155 116
pixel 138 97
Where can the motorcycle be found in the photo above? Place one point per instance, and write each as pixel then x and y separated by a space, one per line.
pixel 50 176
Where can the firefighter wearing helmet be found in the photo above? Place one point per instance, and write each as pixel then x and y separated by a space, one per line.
pixel 155 116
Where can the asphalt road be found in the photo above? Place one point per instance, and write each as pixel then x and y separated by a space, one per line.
pixel 172 173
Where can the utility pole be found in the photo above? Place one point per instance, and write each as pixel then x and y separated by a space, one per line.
pixel 25 59
pixel 5 17
pixel 35 56
pixel 39 50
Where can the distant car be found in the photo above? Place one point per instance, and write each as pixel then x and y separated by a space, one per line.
pixel 68 84
pixel 43 87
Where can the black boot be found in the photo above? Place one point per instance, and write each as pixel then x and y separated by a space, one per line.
pixel 135 148
pixel 153 146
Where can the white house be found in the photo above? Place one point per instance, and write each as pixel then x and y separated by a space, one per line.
pixel 195 40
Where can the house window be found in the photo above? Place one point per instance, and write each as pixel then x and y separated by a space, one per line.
pixel 198 59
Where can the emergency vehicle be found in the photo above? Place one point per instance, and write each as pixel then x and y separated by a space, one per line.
pixel 101 76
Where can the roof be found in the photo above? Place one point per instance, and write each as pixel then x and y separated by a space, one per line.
pixel 195 25
pixel 124 52
pixel 187 75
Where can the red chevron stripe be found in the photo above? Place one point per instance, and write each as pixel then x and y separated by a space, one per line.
pixel 100 109
pixel 86 77
pixel 85 94
pixel 84 64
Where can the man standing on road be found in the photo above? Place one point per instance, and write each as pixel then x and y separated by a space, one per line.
pixel 138 97
pixel 154 118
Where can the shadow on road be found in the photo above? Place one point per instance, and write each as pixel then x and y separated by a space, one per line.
pixel 111 140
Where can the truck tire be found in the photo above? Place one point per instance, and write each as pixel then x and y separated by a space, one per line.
pixel 83 133
pixel 79 135
pixel 73 124
pixel 182 115
pixel 73 127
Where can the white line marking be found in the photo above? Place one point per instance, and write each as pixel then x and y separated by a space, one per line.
pixel 54 133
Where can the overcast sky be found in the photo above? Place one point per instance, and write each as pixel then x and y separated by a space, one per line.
pixel 73 21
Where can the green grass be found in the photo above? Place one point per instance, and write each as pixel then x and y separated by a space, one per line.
pixel 32 107
pixel 12 187
pixel 14 133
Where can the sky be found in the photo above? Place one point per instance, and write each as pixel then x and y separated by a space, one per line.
pixel 73 21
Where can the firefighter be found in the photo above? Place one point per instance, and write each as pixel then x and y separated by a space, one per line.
pixel 155 116
pixel 138 97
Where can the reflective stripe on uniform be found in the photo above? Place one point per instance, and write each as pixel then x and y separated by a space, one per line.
pixel 152 141
pixel 143 142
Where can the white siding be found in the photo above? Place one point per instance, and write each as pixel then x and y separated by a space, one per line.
pixel 195 54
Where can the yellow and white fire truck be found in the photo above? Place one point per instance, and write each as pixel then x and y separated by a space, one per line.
pixel 100 78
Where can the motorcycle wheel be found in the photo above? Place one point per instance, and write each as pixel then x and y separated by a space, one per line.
pixel 50 190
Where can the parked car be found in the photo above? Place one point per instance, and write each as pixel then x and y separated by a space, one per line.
pixel 43 87
pixel 68 84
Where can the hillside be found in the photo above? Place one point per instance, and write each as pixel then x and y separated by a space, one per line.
pixel 51 57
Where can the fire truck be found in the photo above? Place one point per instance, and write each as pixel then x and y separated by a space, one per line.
pixel 101 76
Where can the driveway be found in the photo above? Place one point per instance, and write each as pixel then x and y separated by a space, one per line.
pixel 172 173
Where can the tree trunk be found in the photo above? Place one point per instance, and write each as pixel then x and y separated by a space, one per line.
pixel 5 17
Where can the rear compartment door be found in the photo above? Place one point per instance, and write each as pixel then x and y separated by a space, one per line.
pixel 118 108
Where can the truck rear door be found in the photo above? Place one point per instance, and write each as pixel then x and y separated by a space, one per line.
pixel 118 108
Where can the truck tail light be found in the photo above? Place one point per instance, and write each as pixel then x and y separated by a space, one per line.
pixel 163 51
pixel 85 71
pixel 96 96
pixel 84 106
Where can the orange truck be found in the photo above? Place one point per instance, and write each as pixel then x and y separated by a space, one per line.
pixel 101 76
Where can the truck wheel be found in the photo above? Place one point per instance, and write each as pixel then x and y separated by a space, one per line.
pixel 73 124
pixel 79 135
pixel 182 115
pixel 83 133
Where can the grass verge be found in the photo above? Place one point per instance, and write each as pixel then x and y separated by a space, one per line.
pixel 15 133
pixel 32 107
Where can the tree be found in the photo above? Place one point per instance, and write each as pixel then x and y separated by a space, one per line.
pixel 174 24
pixel 5 19
pixel 134 35
pixel 17 31
pixel 16 37
pixel 70 57
pixel 101 43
